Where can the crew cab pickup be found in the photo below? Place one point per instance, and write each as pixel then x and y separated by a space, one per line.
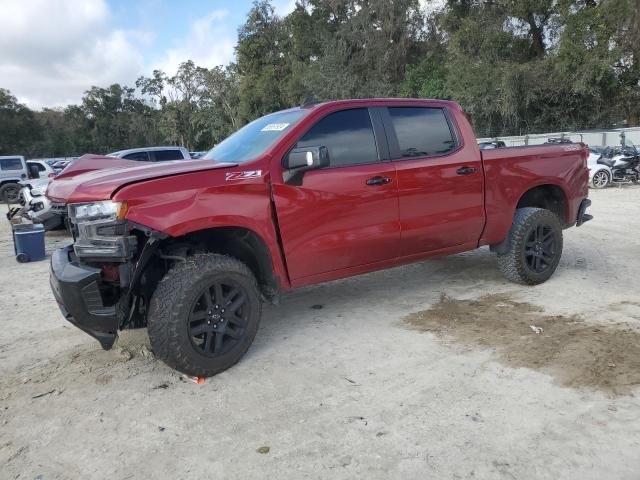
pixel 191 249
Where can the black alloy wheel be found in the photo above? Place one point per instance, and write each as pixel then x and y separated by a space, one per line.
pixel 540 248
pixel 204 314
pixel 218 317
pixel 534 246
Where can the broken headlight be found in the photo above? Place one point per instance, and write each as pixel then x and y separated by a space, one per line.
pixel 100 230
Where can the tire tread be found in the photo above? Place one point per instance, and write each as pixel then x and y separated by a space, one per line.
pixel 510 263
pixel 167 306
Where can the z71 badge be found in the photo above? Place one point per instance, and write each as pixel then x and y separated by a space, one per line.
pixel 243 175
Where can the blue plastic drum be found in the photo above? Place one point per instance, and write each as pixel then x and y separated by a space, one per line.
pixel 29 242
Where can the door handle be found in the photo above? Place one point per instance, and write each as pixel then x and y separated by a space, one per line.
pixel 465 171
pixel 378 180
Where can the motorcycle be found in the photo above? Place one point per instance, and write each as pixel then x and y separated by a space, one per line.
pixel 616 165
pixel 36 207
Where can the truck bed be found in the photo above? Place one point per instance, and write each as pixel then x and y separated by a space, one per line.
pixel 510 171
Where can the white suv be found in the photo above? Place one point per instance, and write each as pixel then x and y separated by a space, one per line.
pixel 13 169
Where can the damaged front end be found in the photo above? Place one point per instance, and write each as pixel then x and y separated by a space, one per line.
pixel 97 280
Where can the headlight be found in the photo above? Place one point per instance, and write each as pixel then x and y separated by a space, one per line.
pixel 100 230
pixel 107 210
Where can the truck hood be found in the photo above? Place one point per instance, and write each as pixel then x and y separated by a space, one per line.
pixel 94 177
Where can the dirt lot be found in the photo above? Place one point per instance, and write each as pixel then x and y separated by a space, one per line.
pixel 431 370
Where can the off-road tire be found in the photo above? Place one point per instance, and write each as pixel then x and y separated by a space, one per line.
pixel 172 303
pixel 512 263
pixel 10 192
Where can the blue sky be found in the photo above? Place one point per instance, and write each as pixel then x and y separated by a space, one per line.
pixel 51 51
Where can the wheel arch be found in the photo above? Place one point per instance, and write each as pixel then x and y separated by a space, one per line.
pixel 548 196
pixel 9 180
pixel 241 243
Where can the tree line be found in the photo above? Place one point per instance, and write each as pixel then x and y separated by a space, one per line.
pixel 516 66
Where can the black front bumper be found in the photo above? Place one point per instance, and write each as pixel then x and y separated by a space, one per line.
pixel 76 288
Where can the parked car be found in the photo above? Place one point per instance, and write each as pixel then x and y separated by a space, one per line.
pixel 13 169
pixel 492 144
pixel 196 155
pixel 153 154
pixel 60 165
pixel 599 173
pixel 302 196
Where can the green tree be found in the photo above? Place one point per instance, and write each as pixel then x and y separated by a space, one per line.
pixel 19 130
pixel 262 63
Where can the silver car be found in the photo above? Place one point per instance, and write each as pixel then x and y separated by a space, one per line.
pixel 153 154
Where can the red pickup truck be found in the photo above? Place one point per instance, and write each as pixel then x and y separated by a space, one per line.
pixel 190 249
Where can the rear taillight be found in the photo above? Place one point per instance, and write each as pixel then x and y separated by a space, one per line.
pixel 585 154
pixel 52 175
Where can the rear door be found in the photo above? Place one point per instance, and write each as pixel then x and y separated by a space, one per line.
pixel 345 215
pixel 440 184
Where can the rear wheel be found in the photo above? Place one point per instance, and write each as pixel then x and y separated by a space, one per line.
pixel 204 314
pixel 600 179
pixel 535 246
pixel 10 192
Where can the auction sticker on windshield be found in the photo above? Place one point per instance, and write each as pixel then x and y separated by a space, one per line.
pixel 275 127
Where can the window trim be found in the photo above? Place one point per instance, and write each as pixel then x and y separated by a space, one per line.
pixel 377 127
pixel 394 145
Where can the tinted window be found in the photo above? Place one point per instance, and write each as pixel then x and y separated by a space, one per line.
pixel 11 164
pixel 166 155
pixel 421 131
pixel 348 135
pixel 137 156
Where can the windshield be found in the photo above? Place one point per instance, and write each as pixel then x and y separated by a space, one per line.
pixel 254 139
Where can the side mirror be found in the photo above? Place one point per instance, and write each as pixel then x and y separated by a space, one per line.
pixel 307 158
pixel 302 159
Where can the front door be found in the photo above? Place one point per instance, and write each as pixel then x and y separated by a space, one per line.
pixel 345 215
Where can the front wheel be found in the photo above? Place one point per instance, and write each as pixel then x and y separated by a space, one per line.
pixel 10 192
pixel 601 179
pixel 204 314
pixel 535 246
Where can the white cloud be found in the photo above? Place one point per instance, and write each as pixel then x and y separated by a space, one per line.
pixel 208 43
pixel 51 51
